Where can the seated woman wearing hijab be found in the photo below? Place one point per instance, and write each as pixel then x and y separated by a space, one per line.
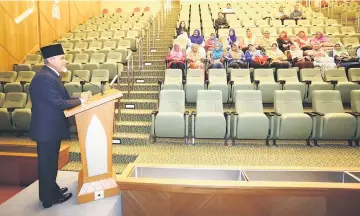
pixel 217 57
pixel 322 39
pixel 303 41
pixel 246 40
pixel 232 39
pixel 182 29
pixel 283 41
pixel 196 58
pixel 296 56
pixel 321 59
pixel 196 38
pixel 176 58
pixel 236 57
pixel 256 58
pixel 278 59
pixel 210 43
pixel 342 57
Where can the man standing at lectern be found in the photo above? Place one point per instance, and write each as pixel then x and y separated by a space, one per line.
pixel 48 123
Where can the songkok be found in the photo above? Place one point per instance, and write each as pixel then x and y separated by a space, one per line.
pixel 52 50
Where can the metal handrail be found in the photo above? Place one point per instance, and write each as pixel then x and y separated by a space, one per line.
pixel 128 58
pixel 140 55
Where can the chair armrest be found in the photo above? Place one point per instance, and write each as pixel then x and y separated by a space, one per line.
pixel 282 82
pixel 10 109
pixel 82 82
pixel 155 112
pixel 318 113
pixel 311 114
pixel 226 114
pixel 334 82
pixel 183 82
pixel 231 82
pixel 3 82
pixel 23 82
pixel 103 82
pixel 355 114
pixel 186 115
pixel 307 82
pixel 256 82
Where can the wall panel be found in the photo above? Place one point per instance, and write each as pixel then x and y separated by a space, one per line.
pixel 80 11
pixel 17 40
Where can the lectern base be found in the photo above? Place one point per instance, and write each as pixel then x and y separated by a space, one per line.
pixel 88 192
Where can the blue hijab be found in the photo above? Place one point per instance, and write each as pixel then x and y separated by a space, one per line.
pixel 217 54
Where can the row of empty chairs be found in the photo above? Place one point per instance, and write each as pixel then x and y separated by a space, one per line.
pixel 328 121
pixel 307 81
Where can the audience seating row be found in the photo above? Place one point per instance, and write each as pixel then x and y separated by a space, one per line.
pixel 328 121
pixel 307 81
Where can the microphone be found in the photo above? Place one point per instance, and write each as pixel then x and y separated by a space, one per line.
pixel 101 90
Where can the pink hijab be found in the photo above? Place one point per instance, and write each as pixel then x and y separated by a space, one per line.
pixel 321 39
pixel 176 52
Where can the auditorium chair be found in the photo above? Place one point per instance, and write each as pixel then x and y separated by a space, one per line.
pixel 67 36
pixel 99 78
pixel 217 81
pixel 5 120
pixel 79 29
pixel 354 75
pixel 249 120
pixel 6 77
pixel 21 119
pixel 105 36
pixel 69 58
pixel 355 108
pixel 127 25
pixel 103 27
pixel 173 80
pixel 32 59
pixel 37 68
pixel 264 81
pixel 290 120
pixel 288 80
pixel 18 85
pixel 239 80
pixel 171 119
pixel 124 44
pixel 81 46
pixel 95 46
pixel 91 27
pixel 194 82
pixel 15 100
pixel 78 37
pixel 113 64
pixel 332 123
pixel 351 42
pixel 108 46
pixel 91 36
pixel 115 26
pixel 66 76
pixel 210 120
pixel 81 58
pixel 22 67
pixel 75 87
pixel 133 36
pixel 304 22
pixel 97 58
pixel 2 99
pixel 290 23
pixel 119 34
pixel 348 30
pixel 338 79
pixel 311 77
pixel 73 66
pixel 332 31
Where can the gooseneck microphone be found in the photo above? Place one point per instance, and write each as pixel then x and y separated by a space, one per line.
pixel 100 88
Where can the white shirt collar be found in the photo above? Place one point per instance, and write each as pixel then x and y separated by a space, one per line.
pixel 53 70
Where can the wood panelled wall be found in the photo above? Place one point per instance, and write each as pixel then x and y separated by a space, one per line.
pixel 38 29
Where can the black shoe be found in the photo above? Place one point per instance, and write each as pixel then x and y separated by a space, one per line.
pixel 63 198
pixel 63 190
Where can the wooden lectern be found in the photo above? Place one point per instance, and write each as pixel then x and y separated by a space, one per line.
pixel 95 121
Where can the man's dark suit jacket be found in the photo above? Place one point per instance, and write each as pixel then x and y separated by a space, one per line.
pixel 49 100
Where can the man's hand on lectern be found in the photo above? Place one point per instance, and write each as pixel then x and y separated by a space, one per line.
pixel 85 96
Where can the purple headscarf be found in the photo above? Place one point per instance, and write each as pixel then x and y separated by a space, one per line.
pixel 232 37
pixel 198 39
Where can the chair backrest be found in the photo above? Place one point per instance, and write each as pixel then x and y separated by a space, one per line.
pixel 124 43
pixel 81 58
pixel 67 46
pixel 69 58
pixel 81 45
pixel 132 34
pixel 109 45
pixel 15 100
pixel 114 57
pixel 8 76
pixel 84 74
pixel 288 101
pixel 33 59
pixel 338 74
pixel 289 75
pixel 97 58
pixel 25 76
pixel 99 75
pixel 355 100
pixel 248 101
pixel 264 75
pixel 240 75
pixel 96 45
pixel 217 74
pixel 209 101
pixel 172 101
pixel 332 30
pixel 327 101
pixel 93 35
pixel 2 99
pixel 80 35
pixel 106 34
pixel 173 73
pixel 353 41
pixel 354 74
pixel 197 74
pixel 311 74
